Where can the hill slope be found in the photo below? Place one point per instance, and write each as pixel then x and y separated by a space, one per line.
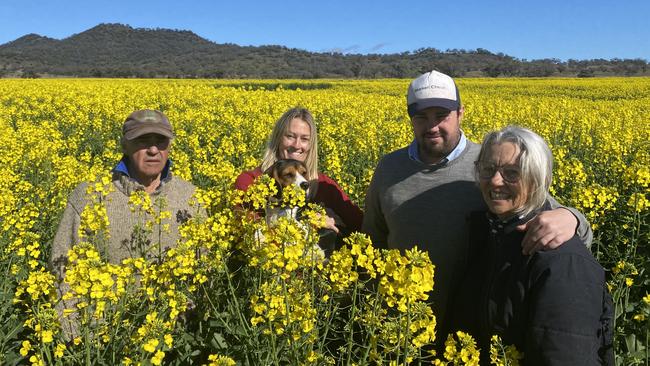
pixel 115 50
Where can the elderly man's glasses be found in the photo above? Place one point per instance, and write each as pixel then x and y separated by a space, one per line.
pixel 152 139
pixel 509 173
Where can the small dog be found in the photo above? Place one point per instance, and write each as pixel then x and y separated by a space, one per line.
pixel 287 172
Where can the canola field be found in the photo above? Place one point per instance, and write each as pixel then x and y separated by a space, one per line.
pixel 284 307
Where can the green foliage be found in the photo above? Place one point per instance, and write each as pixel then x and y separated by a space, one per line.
pixel 114 50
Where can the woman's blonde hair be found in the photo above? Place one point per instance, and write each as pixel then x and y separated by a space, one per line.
pixel 280 129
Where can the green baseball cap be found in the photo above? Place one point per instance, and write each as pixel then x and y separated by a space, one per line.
pixel 146 121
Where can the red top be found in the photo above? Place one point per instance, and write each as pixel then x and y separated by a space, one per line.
pixel 328 195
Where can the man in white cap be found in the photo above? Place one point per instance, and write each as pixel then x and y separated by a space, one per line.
pixel 145 166
pixel 421 195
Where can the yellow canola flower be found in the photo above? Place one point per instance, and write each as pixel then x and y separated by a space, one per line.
pixel 340 271
pixel 638 202
pixel 503 355
pixel 39 286
pixel 60 348
pixel 218 360
pixel 407 279
pixel 169 340
pixel 25 348
pixel 157 359
pixel 461 349
pixel 150 345
pixel 36 361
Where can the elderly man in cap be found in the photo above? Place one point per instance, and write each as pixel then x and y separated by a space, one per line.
pixel 421 195
pixel 146 140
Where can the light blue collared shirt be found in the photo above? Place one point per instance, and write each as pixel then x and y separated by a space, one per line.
pixel 121 167
pixel 414 152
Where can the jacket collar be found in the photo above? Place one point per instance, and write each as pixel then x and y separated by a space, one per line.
pixel 123 168
pixel 508 225
pixel 126 184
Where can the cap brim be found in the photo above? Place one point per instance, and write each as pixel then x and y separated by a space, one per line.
pixel 423 104
pixel 143 130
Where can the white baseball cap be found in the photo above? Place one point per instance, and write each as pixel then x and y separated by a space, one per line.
pixel 432 89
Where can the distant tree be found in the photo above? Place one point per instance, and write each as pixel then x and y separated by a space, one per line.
pixel 586 73
pixel 30 74
pixel 483 51
pixel 358 64
pixel 492 71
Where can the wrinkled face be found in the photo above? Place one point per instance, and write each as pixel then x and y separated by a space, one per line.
pixel 147 155
pixel 437 132
pixel 500 180
pixel 296 141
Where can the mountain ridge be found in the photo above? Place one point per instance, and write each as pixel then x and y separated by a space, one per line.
pixel 118 50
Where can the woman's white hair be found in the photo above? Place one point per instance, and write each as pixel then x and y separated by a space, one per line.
pixel 535 161
pixel 280 129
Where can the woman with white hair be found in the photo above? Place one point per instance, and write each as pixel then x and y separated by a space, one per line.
pixel 294 136
pixel 552 305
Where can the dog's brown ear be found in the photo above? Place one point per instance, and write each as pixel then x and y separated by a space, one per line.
pixel 272 172
pixel 276 175
pixel 269 170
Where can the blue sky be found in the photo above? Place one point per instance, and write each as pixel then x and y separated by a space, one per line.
pixel 528 30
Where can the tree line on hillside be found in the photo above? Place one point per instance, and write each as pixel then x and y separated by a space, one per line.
pixel 114 50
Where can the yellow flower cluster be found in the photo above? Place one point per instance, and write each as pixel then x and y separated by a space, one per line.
pixel 638 202
pixel 340 270
pixel 595 201
pixel 460 350
pixel 407 278
pixel 569 172
pixel 503 355
pixel 39 286
pixel 637 174
pixel 92 282
pixel 218 360
pixel 35 295
pixel 420 328
pixel 149 336
pixel 284 308
pixel 298 287
pixel 93 220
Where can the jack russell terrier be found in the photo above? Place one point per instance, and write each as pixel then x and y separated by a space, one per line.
pixel 288 172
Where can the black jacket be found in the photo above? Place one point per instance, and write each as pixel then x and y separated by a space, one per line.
pixel 553 305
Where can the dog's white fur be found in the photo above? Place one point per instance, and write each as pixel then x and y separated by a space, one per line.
pixel 274 213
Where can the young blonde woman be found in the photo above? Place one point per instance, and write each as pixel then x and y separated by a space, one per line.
pixel 294 136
